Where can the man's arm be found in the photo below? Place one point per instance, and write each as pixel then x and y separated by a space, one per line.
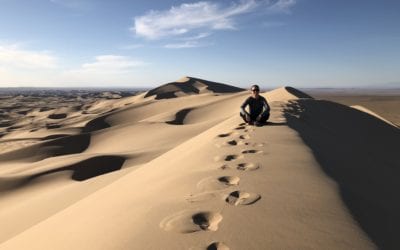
pixel 266 106
pixel 243 107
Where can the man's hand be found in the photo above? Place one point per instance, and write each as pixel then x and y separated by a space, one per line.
pixel 248 118
pixel 258 118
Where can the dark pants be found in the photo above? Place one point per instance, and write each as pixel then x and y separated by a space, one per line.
pixel 253 118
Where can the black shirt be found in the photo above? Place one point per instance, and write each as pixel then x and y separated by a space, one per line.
pixel 256 105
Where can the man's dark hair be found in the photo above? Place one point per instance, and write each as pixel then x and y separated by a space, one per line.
pixel 255 87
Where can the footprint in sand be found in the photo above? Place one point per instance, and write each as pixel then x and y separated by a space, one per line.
pixel 232 157
pixel 249 130
pixel 244 137
pixel 231 142
pixel 251 151
pixel 190 222
pixel 224 135
pixel 228 157
pixel 240 127
pixel 227 143
pixel 229 180
pixel 242 143
pixel 217 246
pixel 225 167
pixel 217 183
pixel 237 198
pixel 213 246
pixel 247 166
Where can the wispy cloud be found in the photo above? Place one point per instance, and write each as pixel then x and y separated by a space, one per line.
pixel 185 45
pixel 203 15
pixel 283 6
pixel 104 70
pixel 194 41
pixel 196 37
pixel 12 55
pixel 189 16
pixel 105 64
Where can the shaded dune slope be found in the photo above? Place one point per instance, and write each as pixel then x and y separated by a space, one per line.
pixel 180 116
pixel 88 168
pixel 359 152
pixel 189 86
pixel 98 123
pixel 81 171
pixel 297 93
pixel 72 144
pixel 285 94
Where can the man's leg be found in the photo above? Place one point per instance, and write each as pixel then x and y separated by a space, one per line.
pixel 264 117
pixel 243 116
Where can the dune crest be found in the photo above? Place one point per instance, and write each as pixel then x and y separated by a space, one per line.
pixel 190 86
pixel 368 111
pixel 285 94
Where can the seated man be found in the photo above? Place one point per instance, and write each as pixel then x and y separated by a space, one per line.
pixel 258 107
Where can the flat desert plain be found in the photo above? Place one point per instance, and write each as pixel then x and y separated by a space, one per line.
pixel 383 102
pixel 176 168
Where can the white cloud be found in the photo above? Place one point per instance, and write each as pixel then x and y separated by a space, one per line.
pixel 12 55
pixel 104 70
pixel 189 16
pixel 203 15
pixel 111 64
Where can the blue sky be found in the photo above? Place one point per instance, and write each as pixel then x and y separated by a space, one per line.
pixel 302 43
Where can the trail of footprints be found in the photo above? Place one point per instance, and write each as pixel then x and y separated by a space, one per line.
pixel 189 221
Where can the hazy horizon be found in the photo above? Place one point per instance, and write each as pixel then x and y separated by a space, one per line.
pixel 120 44
pixel 244 85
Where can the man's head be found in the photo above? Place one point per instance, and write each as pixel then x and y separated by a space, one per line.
pixel 255 90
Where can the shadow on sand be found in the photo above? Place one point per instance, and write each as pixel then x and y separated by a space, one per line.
pixel 180 117
pixel 96 124
pixel 81 171
pixel 361 153
pixel 89 168
pixel 57 146
pixel 275 123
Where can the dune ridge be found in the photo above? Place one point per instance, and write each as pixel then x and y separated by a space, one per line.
pixel 182 171
pixel 188 86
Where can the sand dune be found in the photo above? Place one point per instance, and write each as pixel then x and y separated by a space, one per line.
pixel 364 109
pixel 190 85
pixel 176 168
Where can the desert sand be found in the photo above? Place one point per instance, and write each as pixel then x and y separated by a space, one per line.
pixel 176 168
pixel 383 102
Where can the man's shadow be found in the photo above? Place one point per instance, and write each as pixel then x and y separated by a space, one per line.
pixel 269 123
